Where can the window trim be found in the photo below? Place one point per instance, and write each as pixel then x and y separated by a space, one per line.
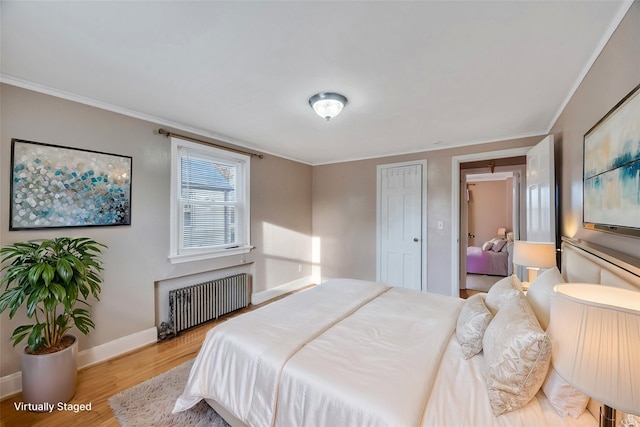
pixel 243 180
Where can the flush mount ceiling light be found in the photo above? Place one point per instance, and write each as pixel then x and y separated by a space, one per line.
pixel 327 104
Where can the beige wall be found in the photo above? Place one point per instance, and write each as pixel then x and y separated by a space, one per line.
pixel 614 74
pixel 344 213
pixel 344 194
pixel 137 254
pixel 487 209
pixel 290 202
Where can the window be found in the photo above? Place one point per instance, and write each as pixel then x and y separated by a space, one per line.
pixel 209 201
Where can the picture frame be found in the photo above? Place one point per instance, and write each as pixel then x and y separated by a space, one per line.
pixel 611 170
pixel 59 187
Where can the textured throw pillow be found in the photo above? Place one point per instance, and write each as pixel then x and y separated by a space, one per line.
pixel 472 322
pixel 539 294
pixel 487 245
pixel 501 292
pixel 564 398
pixel 517 353
pixel 498 245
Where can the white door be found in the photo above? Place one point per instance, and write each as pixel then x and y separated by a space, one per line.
pixel 541 206
pixel 401 212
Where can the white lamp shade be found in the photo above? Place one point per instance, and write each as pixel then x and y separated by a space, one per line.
pixel 534 254
pixel 595 342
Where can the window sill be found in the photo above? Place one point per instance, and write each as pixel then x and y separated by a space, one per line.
pixel 177 259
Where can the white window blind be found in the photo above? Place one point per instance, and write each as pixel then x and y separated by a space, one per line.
pixel 210 195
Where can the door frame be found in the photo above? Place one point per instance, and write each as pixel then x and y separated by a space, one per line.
pixel 423 221
pixel 455 204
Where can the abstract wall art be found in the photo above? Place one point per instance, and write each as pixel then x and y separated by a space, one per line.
pixel 54 186
pixel 611 187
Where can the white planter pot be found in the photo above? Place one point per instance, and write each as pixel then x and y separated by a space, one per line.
pixel 50 377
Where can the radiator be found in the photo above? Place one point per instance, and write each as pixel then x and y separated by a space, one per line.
pixel 197 304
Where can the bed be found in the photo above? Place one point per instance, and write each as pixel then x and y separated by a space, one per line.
pixel 355 353
pixel 494 258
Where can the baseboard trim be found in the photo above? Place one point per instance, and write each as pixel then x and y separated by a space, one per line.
pixel 12 384
pixel 114 348
pixel 269 294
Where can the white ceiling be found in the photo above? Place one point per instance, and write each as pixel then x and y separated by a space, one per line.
pixel 418 75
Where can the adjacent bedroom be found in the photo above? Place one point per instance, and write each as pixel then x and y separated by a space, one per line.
pixel 490 211
pixel 320 214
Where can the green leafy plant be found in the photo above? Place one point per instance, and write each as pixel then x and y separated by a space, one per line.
pixel 50 277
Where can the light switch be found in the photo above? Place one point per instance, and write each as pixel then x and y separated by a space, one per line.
pixel 440 225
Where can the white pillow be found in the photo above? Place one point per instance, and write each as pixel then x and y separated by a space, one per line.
pixel 502 291
pixel 564 398
pixel 517 353
pixel 472 322
pixel 539 294
pixel 487 245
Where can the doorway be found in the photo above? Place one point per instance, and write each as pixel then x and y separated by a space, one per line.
pixel 456 245
pixel 539 159
pixel 492 205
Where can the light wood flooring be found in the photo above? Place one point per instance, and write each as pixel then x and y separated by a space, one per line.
pixel 97 383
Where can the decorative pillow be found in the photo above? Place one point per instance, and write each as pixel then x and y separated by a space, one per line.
pixel 517 353
pixel 487 245
pixel 472 322
pixel 564 398
pixel 539 294
pixel 497 246
pixel 501 292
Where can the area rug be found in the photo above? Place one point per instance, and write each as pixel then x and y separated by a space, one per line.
pixel 150 403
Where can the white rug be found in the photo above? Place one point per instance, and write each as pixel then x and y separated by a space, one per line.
pixel 149 404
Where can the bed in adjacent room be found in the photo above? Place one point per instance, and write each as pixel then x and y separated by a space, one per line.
pixel 353 353
pixel 494 258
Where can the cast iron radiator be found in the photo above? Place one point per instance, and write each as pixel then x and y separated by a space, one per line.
pixel 196 304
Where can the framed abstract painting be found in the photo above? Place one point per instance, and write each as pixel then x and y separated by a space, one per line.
pixel 611 190
pixel 54 186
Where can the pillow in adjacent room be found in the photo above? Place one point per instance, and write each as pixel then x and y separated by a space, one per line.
pixel 498 245
pixel 517 353
pixel 539 294
pixel 487 245
pixel 564 398
pixel 501 292
pixel 472 322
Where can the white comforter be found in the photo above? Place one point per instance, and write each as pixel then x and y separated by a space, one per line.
pixel 347 352
pixel 374 368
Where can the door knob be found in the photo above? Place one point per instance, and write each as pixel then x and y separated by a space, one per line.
pixel 415 239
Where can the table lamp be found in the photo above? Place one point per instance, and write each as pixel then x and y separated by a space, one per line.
pixel 534 256
pixel 595 344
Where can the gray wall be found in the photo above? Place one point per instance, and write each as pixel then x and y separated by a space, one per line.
pixel 290 201
pixel 137 254
pixel 614 74
pixel 344 212
pixel 344 194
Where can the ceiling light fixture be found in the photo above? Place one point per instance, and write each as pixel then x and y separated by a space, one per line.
pixel 327 104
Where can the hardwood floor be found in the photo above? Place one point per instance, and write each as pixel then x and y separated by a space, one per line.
pixel 96 384
pixel 466 293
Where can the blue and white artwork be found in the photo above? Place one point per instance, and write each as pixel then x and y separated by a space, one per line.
pixel 612 167
pixel 53 186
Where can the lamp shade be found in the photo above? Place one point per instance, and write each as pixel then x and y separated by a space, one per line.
pixel 534 254
pixel 327 104
pixel 595 342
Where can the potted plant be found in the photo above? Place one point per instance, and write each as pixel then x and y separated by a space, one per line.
pixel 49 278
